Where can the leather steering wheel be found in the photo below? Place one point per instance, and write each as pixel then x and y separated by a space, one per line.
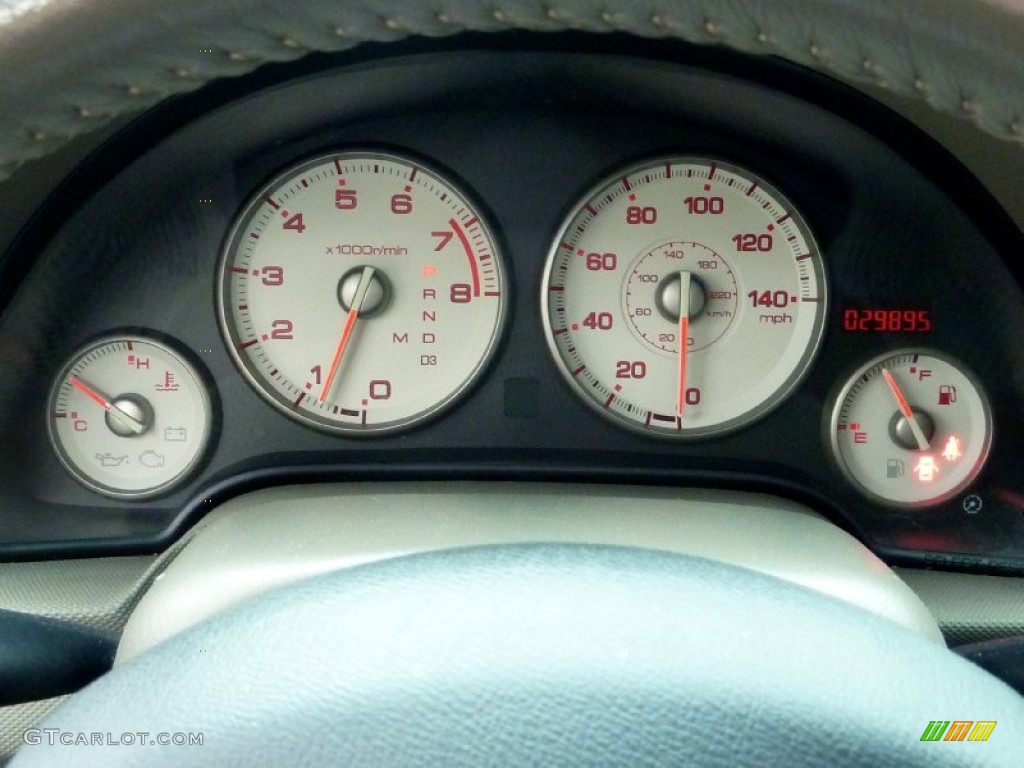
pixel 542 654
pixel 69 66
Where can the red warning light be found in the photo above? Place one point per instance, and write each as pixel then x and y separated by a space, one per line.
pixel 926 468
pixel 429 271
pixel 952 450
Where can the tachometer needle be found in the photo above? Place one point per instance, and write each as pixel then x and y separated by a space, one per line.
pixel 905 409
pixel 123 418
pixel 684 333
pixel 346 333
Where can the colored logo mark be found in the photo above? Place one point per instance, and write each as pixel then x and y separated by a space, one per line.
pixel 958 730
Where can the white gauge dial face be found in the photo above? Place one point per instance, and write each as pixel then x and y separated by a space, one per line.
pixel 129 417
pixel 361 292
pixel 684 297
pixel 911 428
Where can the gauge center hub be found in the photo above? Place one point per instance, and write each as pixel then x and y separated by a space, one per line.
pixel 902 433
pixel 378 290
pixel 667 296
pixel 652 299
pixel 134 406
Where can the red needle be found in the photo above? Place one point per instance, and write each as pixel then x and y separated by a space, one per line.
pixel 904 406
pixel 922 441
pixel 684 333
pixel 350 323
pixel 133 424
pixel 99 399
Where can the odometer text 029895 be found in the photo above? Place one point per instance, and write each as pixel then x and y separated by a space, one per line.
pixel 684 297
pixel 361 292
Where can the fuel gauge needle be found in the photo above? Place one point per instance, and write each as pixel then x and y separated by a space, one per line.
pixel 684 333
pixel 905 409
pixel 134 425
pixel 346 332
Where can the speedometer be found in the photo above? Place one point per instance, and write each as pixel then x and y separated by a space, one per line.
pixel 684 297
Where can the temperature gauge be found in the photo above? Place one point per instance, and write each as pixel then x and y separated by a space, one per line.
pixel 911 428
pixel 129 417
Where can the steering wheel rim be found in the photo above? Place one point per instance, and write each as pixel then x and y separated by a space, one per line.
pixel 554 654
pixel 69 67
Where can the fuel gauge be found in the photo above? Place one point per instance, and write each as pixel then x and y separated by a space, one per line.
pixel 911 428
pixel 129 417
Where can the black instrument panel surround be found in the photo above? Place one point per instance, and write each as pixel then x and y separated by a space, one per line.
pixel 528 132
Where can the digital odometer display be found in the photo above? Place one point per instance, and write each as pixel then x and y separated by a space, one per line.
pixel 888 320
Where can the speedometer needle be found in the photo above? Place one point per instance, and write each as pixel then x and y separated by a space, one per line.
pixel 350 323
pixel 908 413
pixel 684 332
pixel 123 418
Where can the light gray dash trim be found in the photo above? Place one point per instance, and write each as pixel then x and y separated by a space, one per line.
pixel 970 608
pixel 278 536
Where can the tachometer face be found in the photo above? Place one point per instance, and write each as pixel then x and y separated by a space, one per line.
pixel 684 249
pixel 361 292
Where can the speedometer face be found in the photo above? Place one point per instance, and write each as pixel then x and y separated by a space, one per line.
pixel 684 297
pixel 361 292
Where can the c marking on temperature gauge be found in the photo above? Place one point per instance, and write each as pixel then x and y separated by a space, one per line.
pixel 911 428
pixel 684 297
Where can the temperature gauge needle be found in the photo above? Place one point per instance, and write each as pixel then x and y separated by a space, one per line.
pixel 346 333
pixel 134 425
pixel 908 413
pixel 684 333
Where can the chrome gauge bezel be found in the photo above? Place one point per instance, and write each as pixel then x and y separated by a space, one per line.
pixel 766 406
pixel 242 361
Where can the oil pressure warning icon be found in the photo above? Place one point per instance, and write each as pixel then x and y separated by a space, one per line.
pixel 911 428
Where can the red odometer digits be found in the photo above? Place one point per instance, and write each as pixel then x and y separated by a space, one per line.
pixel 887 320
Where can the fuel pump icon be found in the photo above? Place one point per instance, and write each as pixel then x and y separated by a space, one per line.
pixel 947 394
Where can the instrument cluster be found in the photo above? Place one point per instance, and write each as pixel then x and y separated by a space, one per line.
pixel 743 290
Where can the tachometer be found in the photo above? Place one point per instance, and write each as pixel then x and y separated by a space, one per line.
pixel 684 297
pixel 361 292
